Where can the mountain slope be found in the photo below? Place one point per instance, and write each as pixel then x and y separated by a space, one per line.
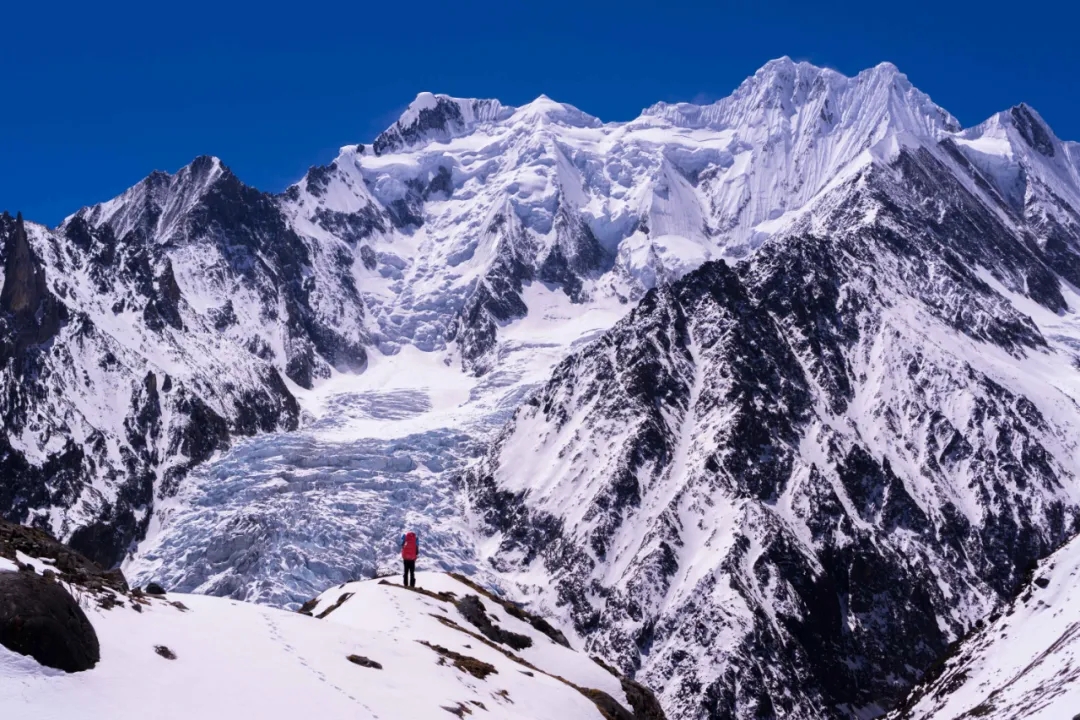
pixel 781 489
pixel 1021 662
pixel 368 650
pixel 112 387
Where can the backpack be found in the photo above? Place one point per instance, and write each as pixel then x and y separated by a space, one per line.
pixel 408 549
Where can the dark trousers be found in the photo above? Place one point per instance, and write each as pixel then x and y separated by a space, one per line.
pixel 410 573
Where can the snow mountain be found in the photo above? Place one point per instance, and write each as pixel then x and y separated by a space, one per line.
pixel 767 401
pixel 782 487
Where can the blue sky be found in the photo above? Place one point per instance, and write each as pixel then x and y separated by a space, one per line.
pixel 94 99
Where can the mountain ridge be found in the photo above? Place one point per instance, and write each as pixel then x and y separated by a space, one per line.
pixel 845 324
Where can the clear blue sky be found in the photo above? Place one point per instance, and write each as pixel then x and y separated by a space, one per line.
pixel 94 99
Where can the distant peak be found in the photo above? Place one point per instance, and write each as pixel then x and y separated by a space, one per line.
pixel 547 109
pixel 781 63
pixel 202 171
pixel 881 96
pixel 437 117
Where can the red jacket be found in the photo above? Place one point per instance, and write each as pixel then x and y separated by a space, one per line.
pixel 410 546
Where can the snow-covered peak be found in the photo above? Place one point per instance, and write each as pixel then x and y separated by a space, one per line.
pixel 1019 122
pixel 157 202
pixel 1030 168
pixel 437 117
pixel 544 108
pixel 876 99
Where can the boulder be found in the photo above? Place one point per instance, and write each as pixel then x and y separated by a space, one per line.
pixel 39 618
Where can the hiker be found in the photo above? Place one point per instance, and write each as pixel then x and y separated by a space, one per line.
pixel 410 549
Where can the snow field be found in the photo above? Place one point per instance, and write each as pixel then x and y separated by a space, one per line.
pixel 236 659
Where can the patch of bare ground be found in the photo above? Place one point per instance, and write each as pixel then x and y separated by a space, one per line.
pixel 477 668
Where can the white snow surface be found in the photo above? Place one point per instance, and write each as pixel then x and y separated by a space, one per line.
pixel 239 659
pixel 1024 663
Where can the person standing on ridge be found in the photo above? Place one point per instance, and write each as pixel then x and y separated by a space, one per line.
pixel 410 549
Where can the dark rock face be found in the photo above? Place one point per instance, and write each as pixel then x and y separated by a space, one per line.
pixel 364 662
pixel 40 619
pixel 438 121
pixel 496 299
pixel 89 310
pixel 472 609
pixel 72 566
pixel 769 454
pixel 576 254
pixel 1032 129
pixel 30 313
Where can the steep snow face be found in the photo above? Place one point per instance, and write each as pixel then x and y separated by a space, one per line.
pixel 781 489
pixel 424 659
pixel 1019 161
pixel 788 130
pixel 463 203
pixel 1021 663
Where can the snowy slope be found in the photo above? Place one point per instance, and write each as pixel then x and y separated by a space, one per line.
pixel 785 487
pixel 233 657
pixel 1020 664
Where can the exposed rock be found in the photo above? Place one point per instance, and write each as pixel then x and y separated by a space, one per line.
pixel 164 652
pixel 364 662
pixel 39 618
pixel 153 589
pixel 72 566
pixel 477 668
pixel 31 314
pixel 473 610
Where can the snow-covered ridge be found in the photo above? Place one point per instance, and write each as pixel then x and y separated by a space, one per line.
pixel 365 650
pixel 1019 663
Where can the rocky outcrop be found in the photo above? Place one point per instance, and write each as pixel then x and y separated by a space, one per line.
pixel 70 565
pixel 39 618
pixel 30 313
